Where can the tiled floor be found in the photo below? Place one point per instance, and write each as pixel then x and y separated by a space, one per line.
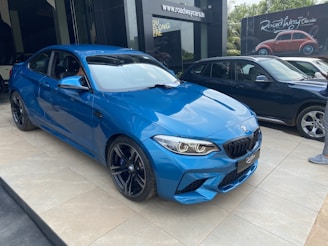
pixel 75 196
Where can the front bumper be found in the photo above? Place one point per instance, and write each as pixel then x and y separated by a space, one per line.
pixel 196 179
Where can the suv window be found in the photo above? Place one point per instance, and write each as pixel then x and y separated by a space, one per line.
pixel 199 69
pixel 247 71
pixel 40 63
pixel 221 70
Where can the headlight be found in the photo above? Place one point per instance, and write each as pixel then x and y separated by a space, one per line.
pixel 185 146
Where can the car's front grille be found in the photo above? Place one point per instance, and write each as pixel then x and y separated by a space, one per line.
pixel 192 186
pixel 239 147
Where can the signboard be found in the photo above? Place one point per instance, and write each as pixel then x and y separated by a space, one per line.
pixel 296 32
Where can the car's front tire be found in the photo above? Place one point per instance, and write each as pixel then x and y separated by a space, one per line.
pixel 19 113
pixel 130 169
pixel 310 122
pixel 263 51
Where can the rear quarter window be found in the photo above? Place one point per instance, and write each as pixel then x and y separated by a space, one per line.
pixel 40 63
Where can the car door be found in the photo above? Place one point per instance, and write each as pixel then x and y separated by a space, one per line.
pixel 283 43
pixel 262 97
pixel 69 112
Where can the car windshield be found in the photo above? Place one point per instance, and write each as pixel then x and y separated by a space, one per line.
pixel 323 65
pixel 283 71
pixel 128 73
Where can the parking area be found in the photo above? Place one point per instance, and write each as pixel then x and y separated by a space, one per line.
pixel 75 196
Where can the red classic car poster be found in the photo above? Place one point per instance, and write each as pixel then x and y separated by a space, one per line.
pixel 295 32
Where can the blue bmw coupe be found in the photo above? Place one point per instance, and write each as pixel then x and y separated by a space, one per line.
pixel 155 134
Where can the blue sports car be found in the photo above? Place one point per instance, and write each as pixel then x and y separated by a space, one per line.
pixel 123 108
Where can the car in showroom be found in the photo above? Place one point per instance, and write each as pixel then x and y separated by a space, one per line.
pixel 313 67
pixel 288 41
pixel 155 134
pixel 6 64
pixel 277 91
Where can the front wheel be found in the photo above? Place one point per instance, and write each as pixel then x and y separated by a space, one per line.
pixel 19 113
pixel 310 123
pixel 263 51
pixel 130 169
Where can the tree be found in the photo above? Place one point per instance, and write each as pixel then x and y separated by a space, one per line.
pixel 263 7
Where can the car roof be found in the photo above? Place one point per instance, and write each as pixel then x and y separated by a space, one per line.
pixel 300 58
pixel 254 58
pixel 84 50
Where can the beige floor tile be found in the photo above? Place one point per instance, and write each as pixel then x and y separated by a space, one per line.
pixel 302 168
pixel 235 231
pixel 88 217
pixel 304 192
pixel 49 190
pixel 285 219
pixel 13 147
pixel 189 224
pixel 136 230
pixel 229 201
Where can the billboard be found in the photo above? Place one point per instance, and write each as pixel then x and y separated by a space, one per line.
pixel 295 32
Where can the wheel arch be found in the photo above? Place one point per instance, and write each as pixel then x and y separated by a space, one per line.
pixel 111 139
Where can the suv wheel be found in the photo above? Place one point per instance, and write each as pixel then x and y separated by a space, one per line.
pixel 310 122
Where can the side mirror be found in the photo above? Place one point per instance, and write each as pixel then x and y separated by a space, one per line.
pixel 262 78
pixel 318 75
pixel 72 82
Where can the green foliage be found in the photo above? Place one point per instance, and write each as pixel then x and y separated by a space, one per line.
pixel 264 6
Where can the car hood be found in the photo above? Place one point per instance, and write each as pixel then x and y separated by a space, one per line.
pixel 188 109
pixel 316 85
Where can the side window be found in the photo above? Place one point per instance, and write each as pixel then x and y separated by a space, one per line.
pixel 221 70
pixel 65 64
pixel 285 37
pixel 40 63
pixel 299 36
pixel 246 71
pixel 199 70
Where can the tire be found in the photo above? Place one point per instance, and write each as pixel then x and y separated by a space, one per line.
pixel 2 85
pixel 308 49
pixel 263 51
pixel 19 113
pixel 131 170
pixel 310 123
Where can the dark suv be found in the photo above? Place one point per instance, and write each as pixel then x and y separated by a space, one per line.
pixel 277 91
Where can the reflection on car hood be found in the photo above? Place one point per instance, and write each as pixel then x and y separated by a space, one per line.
pixel 189 109
pixel 316 84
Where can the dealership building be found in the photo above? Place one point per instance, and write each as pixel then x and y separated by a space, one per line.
pixel 176 32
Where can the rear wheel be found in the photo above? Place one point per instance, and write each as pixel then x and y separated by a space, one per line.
pixel 308 49
pixel 2 84
pixel 19 113
pixel 130 169
pixel 310 123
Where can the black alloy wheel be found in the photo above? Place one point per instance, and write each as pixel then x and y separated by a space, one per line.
pixel 19 113
pixel 130 169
